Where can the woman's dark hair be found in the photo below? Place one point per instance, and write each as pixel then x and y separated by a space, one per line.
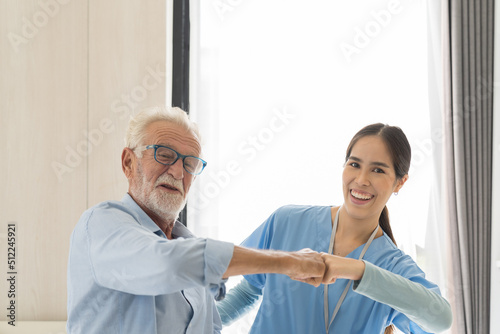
pixel 400 152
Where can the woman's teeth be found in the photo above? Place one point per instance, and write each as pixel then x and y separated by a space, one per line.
pixel 358 195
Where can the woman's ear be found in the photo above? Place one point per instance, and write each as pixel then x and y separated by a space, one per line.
pixel 400 183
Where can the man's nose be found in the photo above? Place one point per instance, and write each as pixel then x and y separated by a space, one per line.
pixel 177 170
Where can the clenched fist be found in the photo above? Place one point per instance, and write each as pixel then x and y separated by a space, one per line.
pixel 306 266
pixel 341 267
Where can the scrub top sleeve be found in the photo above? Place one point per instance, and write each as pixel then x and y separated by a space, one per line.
pixel 424 307
pixel 261 238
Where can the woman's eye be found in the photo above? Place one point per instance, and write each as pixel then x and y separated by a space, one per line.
pixel 354 164
pixel 378 170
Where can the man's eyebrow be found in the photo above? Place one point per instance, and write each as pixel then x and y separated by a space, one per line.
pixel 375 163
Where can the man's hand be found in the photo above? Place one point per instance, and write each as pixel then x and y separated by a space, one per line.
pixel 306 266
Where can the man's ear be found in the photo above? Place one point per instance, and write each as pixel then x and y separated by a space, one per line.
pixel 400 183
pixel 128 162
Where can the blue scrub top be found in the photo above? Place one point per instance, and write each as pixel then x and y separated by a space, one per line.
pixel 291 307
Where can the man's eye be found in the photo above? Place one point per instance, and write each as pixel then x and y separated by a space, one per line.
pixel 166 156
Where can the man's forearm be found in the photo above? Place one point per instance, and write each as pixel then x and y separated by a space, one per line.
pixel 306 265
pixel 247 261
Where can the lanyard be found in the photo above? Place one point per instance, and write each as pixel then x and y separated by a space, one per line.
pixel 330 250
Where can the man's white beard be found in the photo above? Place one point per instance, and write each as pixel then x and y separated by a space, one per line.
pixel 165 205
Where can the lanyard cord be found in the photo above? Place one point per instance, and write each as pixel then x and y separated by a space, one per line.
pixel 325 287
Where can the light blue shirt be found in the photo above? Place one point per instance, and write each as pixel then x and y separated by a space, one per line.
pixel 387 294
pixel 125 276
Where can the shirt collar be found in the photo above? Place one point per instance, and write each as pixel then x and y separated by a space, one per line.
pixel 143 218
pixel 179 229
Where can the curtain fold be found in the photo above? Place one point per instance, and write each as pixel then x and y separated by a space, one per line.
pixel 468 136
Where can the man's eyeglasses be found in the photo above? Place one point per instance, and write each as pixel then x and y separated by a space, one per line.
pixel 167 156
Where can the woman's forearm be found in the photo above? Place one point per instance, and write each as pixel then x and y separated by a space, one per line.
pixel 424 307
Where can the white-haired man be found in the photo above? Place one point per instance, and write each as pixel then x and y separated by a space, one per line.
pixel 133 268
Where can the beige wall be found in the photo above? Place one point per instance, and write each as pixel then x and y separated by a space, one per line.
pixel 71 74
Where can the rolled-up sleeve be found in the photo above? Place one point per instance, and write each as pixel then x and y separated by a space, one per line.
pixel 127 257
pixel 217 257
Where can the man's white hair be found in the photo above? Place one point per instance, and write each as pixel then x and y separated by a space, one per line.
pixel 137 125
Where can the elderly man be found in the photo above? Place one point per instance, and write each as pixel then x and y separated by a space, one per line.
pixel 134 269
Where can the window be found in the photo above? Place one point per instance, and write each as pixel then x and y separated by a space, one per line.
pixel 279 88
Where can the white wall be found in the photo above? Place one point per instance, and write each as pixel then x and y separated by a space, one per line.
pixel 68 69
pixel 495 231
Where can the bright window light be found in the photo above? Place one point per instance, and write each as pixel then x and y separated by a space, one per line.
pixel 280 87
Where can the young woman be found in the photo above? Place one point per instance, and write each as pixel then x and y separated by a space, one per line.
pixel 375 284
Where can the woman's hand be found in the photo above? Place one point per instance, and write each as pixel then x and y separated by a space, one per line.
pixel 341 267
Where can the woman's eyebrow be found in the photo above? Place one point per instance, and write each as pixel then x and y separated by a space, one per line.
pixel 375 163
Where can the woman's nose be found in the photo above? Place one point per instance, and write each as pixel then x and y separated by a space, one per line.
pixel 363 178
